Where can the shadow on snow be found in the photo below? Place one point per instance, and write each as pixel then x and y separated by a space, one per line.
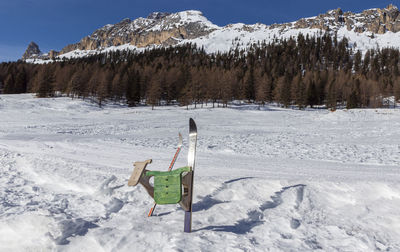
pixel 255 217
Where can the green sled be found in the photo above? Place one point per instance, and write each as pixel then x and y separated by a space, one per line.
pixel 168 185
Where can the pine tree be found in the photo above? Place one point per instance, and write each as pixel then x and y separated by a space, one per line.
pixel 154 91
pixel 102 90
pixel 212 87
pixel 77 84
pixel 44 85
pixel 357 61
pixel 298 91
pixel 226 88
pixel 9 84
pixel 20 84
pixel 396 90
pixel 282 91
pixel 262 89
pixel 312 95
pixel 63 74
pixel 133 88
pixel 353 100
pixel 119 82
pixel 249 85
pixel 331 102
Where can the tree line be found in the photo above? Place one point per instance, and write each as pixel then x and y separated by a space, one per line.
pixel 300 71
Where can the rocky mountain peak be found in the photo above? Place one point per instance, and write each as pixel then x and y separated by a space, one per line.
pixel 391 7
pixel 159 28
pixel 125 21
pixel 157 15
pixel 335 12
pixel 32 51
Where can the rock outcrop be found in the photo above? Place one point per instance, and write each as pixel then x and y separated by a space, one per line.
pixel 32 51
pixel 157 15
pixel 158 28
pixel 377 21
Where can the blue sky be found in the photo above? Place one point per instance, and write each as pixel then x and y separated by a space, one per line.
pixel 52 24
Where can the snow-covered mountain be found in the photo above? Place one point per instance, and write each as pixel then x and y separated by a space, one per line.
pixel 369 29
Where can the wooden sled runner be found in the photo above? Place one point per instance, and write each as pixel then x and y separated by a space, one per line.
pixel 137 176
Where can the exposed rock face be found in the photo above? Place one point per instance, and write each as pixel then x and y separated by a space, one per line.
pixel 157 15
pixel 53 54
pixel 32 51
pixel 374 20
pixel 158 28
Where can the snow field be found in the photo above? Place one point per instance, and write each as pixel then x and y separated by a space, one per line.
pixel 266 180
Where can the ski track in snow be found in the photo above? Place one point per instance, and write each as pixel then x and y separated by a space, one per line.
pixel 267 179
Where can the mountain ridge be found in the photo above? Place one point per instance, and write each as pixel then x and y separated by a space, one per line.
pixel 365 30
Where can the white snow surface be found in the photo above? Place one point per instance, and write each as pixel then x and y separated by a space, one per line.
pixel 266 179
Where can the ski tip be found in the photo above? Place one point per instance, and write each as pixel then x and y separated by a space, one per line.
pixel 192 126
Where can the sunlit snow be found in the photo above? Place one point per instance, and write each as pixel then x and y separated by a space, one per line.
pixel 266 178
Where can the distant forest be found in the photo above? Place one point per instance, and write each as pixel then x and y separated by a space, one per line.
pixel 302 71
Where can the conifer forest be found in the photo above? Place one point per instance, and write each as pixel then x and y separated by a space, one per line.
pixel 299 72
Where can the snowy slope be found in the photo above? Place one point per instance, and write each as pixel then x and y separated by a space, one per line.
pixel 230 37
pixel 266 180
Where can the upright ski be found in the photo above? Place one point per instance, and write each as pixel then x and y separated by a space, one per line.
pixel 169 169
pixel 187 180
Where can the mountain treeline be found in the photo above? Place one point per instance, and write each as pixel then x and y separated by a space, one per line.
pixel 302 71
